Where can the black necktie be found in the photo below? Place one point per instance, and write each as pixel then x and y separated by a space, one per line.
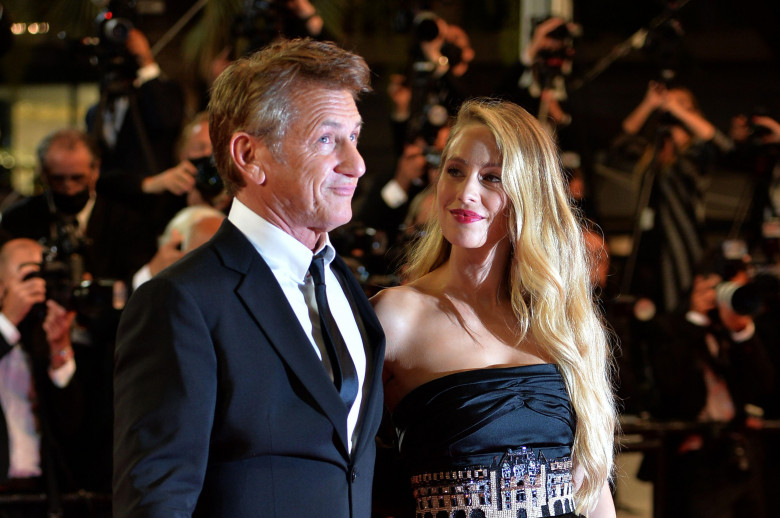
pixel 344 373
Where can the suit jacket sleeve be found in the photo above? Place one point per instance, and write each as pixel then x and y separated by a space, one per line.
pixel 165 392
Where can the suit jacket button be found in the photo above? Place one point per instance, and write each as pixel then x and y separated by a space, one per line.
pixel 353 474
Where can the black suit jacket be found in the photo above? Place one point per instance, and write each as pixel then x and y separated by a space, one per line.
pixel 222 407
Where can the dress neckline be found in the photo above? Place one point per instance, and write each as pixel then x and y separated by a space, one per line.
pixel 478 375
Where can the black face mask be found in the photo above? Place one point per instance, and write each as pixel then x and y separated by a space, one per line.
pixel 70 204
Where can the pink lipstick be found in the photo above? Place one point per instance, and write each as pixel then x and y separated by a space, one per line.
pixel 465 216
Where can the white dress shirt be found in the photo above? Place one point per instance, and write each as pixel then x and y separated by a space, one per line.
pixel 289 261
pixel 16 397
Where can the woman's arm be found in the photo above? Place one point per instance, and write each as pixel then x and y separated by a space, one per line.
pixel 606 506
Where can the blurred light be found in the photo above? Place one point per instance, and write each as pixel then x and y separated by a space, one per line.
pixel 34 28
pixel 7 160
pixel 108 15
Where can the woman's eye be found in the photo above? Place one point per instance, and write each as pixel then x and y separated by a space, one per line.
pixel 453 171
pixel 325 139
pixel 492 178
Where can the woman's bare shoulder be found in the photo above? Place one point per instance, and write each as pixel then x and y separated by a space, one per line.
pixel 398 302
pixel 402 311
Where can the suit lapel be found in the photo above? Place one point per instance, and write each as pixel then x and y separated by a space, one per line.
pixel 264 299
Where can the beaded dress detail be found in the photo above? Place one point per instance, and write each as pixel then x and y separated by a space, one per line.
pixel 492 443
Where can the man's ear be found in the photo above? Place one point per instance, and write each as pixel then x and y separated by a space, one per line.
pixel 246 150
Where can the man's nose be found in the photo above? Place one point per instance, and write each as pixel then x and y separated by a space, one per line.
pixel 352 163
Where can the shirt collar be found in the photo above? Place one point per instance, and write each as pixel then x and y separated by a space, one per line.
pixel 282 252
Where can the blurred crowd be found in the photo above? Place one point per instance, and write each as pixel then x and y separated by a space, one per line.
pixel 694 312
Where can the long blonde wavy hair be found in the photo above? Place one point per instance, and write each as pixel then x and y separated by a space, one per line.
pixel 549 283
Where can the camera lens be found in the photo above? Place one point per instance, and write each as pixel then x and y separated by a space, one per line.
pixel 117 30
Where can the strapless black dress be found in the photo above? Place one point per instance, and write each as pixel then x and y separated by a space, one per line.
pixel 489 443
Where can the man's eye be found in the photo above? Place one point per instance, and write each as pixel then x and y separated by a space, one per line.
pixel 325 139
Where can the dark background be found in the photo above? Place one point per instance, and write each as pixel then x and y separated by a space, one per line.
pixel 727 53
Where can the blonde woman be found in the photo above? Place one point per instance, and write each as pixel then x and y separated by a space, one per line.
pixel 497 368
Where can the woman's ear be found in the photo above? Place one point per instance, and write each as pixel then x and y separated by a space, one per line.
pixel 246 150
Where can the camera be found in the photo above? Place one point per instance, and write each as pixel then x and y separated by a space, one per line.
pixel 667 119
pixel 561 33
pixel 743 299
pixel 552 59
pixel 64 272
pixel 112 28
pixel 207 179
pixel 88 298
pixel 757 131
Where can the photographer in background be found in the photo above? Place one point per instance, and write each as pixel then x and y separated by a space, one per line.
pixel 197 174
pixel 140 111
pixel 394 206
pixel 86 231
pixel 203 188
pixel 263 21
pixel 40 401
pixel 86 236
pixel 668 146
pixel 434 83
pixel 136 123
pixel 538 81
pixel 757 154
pixel 711 367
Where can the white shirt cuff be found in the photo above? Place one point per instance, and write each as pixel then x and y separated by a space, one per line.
pixel 393 195
pixel 147 73
pixel 141 276
pixel 696 318
pixel 745 334
pixel 62 375
pixel 9 331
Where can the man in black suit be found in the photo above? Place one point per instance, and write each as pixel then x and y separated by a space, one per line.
pixel 229 399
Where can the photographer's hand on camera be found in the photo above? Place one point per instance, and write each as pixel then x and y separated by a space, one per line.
pixel 703 295
pixel 541 40
pixel 22 294
pixel 733 321
pixel 138 46
pixel 652 101
pixel 57 325
pixel 704 300
pixel 765 130
pixel 681 108
pixel 179 179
